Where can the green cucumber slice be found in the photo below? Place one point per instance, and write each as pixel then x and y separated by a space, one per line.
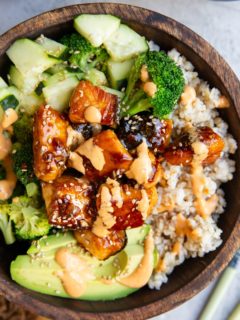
pixel 97 77
pixel 9 97
pixel 52 47
pixel 119 72
pixel 29 57
pixel 57 95
pixel 3 84
pixel 96 28
pixel 125 44
pixel 26 83
pixel 30 103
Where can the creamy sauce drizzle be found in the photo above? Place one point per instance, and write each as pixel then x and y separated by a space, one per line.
pixel 92 115
pixel 5 145
pixel 75 274
pixel 76 161
pixel 141 168
pixel 10 116
pixel 105 219
pixel 203 207
pixel 184 228
pixel 116 192
pixel 93 152
pixel 7 185
pixel 141 275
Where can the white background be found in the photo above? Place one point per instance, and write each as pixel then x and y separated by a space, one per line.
pixel 219 23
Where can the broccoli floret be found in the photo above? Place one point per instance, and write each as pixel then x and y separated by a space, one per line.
pixel 22 150
pixel 22 157
pixel 167 77
pixel 2 171
pixel 82 54
pixel 29 222
pixel 23 128
pixel 6 224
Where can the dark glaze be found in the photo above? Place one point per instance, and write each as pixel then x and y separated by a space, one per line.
pixel 180 152
pixel 49 143
pixel 69 202
pixel 101 248
pixel 87 95
pixel 133 130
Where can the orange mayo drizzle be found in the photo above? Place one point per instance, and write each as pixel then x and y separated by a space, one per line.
pixel 184 228
pixel 7 185
pixel 141 275
pixel 141 167
pixel 169 206
pixel 156 179
pixel 161 267
pixel 76 161
pixel 75 274
pixel 203 207
pixel 93 152
pixel 5 145
pixel 92 115
pixel 176 248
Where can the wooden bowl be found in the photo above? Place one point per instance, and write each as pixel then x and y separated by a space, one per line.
pixel 191 277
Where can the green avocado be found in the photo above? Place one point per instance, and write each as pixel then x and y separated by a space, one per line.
pixel 37 270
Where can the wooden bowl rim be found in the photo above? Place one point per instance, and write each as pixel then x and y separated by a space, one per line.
pixel 227 76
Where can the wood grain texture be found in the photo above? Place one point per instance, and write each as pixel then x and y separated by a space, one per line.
pixel 191 277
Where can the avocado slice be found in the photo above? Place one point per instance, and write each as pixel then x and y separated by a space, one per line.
pixel 37 270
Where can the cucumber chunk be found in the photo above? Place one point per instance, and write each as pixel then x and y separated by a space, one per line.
pixel 97 77
pixel 57 95
pixel 52 47
pixel 60 76
pixel 57 68
pixel 96 28
pixel 26 83
pixel 3 84
pixel 30 103
pixel 41 84
pixel 117 93
pixel 9 97
pixel 125 44
pixel 29 57
pixel 119 72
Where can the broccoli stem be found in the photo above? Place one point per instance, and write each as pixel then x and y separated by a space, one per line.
pixel 6 228
pixel 138 103
pixel 140 106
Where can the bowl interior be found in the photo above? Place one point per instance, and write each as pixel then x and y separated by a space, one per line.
pixel 192 269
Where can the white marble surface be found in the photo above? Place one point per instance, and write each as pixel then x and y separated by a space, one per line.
pixel 216 21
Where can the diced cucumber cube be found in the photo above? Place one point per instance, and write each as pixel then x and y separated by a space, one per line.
pixel 57 95
pixel 9 97
pixel 26 83
pixel 30 103
pixel 125 44
pixel 96 28
pixel 52 47
pixel 57 68
pixel 97 77
pixel 3 84
pixel 117 93
pixel 119 72
pixel 29 57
